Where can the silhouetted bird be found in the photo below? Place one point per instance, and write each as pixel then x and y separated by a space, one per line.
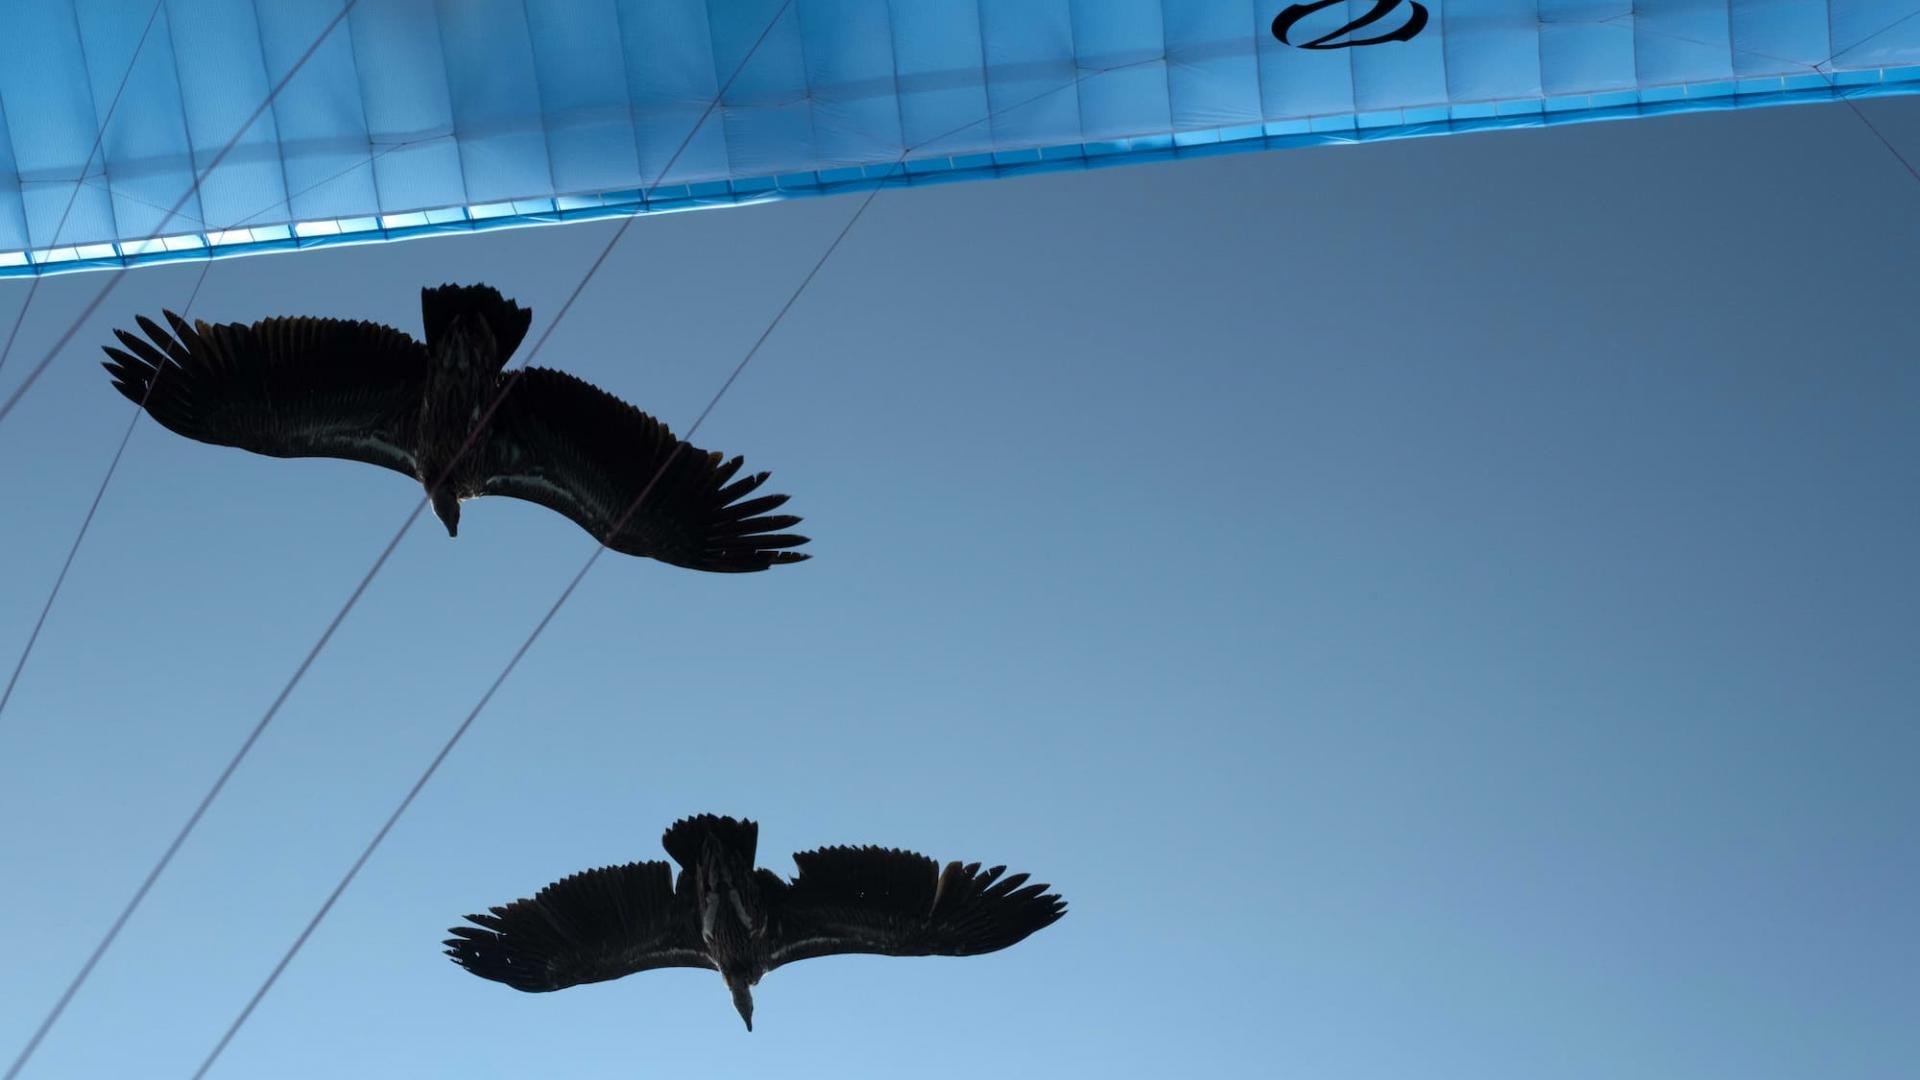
pixel 743 922
pixel 307 387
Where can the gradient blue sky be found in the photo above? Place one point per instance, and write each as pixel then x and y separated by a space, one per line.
pixel 1440 608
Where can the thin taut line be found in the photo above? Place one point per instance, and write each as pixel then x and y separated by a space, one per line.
pixel 514 662
pixel 93 959
pixel 61 578
pixel 113 282
pixel 1839 92
pixel 87 522
pixel 246 746
pixel 600 549
pixel 98 138
pixel 1884 141
pixel 20 317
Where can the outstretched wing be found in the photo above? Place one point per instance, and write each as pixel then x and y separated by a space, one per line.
pixel 593 926
pixel 288 387
pixel 896 903
pixel 577 449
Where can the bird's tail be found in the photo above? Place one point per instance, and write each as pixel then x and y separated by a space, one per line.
pixel 686 839
pixel 508 321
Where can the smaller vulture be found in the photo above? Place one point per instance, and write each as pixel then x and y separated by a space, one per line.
pixel 308 387
pixel 742 921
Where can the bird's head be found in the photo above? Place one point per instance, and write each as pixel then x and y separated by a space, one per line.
pixel 741 984
pixel 446 507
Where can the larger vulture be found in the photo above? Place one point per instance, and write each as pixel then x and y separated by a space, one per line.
pixel 309 387
pixel 743 922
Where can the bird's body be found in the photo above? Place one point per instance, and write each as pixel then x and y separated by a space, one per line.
pixel 743 921
pixel 455 433
pixel 446 413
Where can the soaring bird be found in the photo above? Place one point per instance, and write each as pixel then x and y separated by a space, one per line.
pixel 310 387
pixel 743 922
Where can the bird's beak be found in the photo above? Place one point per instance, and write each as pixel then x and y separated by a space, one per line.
pixel 743 1001
pixel 446 507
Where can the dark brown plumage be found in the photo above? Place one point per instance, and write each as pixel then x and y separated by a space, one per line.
pixel 308 387
pixel 744 921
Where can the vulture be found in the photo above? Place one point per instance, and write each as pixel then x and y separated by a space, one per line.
pixel 725 914
pixel 312 387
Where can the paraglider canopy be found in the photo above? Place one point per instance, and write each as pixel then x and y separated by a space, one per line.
pixel 406 118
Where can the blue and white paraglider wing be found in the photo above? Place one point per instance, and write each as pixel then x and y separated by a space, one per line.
pixel 304 126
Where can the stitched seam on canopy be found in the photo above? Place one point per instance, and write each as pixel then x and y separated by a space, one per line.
pixel 366 125
pixel 539 98
pixel 273 109
pixel 100 142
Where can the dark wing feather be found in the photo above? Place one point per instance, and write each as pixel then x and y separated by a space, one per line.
pixel 577 449
pixel 590 927
pixel 896 903
pixel 298 387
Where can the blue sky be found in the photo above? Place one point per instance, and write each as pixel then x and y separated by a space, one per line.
pixel 1434 608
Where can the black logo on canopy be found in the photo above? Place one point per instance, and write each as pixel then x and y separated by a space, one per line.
pixel 1283 24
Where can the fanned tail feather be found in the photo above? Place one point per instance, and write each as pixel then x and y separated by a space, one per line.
pixel 507 320
pixel 685 839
